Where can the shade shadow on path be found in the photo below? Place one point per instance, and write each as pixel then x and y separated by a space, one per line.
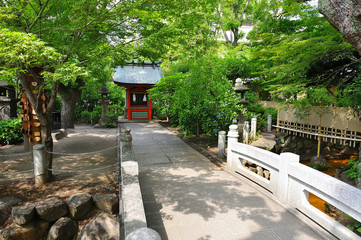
pixel 187 197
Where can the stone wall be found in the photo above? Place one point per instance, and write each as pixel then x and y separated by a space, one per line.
pixel 307 148
pixel 53 219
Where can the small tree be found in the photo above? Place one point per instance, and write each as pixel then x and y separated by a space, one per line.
pixel 25 57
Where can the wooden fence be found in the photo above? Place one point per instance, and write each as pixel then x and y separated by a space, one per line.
pixel 333 123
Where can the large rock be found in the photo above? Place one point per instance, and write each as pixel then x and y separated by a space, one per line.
pixel 51 209
pixel 80 205
pixel 34 230
pixel 5 208
pixel 11 201
pixel 63 229
pixel 347 151
pixel 23 214
pixel 267 141
pixel 308 144
pixel 108 203
pixel 104 226
pixel 318 162
pixel 287 141
pixel 5 212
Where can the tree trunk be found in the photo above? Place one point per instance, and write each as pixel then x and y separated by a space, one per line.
pixel 345 16
pixel 47 141
pixel 43 113
pixel 69 98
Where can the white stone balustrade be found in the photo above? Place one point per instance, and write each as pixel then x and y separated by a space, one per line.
pixel 291 182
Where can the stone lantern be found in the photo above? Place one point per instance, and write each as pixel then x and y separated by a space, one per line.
pixel 241 90
pixel 104 101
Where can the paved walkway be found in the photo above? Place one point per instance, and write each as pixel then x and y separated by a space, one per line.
pixel 186 197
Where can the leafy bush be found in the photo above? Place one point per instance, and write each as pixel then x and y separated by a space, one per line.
pixel 353 171
pixel 10 131
pixel 86 116
pixel 163 92
pixel 109 124
pixel 200 101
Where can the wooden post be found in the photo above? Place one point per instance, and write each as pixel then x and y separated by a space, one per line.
pixel 319 132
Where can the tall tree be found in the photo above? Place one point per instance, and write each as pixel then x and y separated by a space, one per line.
pixel 88 31
pixel 295 50
pixel 232 14
pixel 346 17
pixel 77 29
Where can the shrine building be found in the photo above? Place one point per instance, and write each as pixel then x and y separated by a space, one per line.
pixel 137 78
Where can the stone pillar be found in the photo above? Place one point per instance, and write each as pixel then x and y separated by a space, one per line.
pixel 232 138
pixel 40 165
pixel 282 187
pixel 254 127
pixel 125 137
pixel 105 103
pixel 233 134
pixel 221 144
pixel 246 132
pixel 269 123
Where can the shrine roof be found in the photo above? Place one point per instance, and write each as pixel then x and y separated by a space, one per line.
pixel 3 83
pixel 137 74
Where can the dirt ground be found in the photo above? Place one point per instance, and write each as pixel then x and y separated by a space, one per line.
pixel 83 139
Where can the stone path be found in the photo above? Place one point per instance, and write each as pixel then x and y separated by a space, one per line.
pixel 188 198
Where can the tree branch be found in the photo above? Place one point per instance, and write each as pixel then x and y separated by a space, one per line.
pixel 52 100
pixel 244 10
pixel 39 15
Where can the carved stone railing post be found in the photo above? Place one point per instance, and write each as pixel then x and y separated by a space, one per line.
pixel 254 127
pixel 246 132
pixel 221 144
pixel 269 123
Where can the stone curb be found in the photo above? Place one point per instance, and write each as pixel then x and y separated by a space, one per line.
pixel 134 223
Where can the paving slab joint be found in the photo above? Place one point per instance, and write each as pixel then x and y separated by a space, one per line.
pixel 134 223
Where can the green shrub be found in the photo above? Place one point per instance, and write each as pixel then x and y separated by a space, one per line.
pixel 85 117
pixel 10 131
pixel 109 124
pixel 256 109
pixel 353 171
